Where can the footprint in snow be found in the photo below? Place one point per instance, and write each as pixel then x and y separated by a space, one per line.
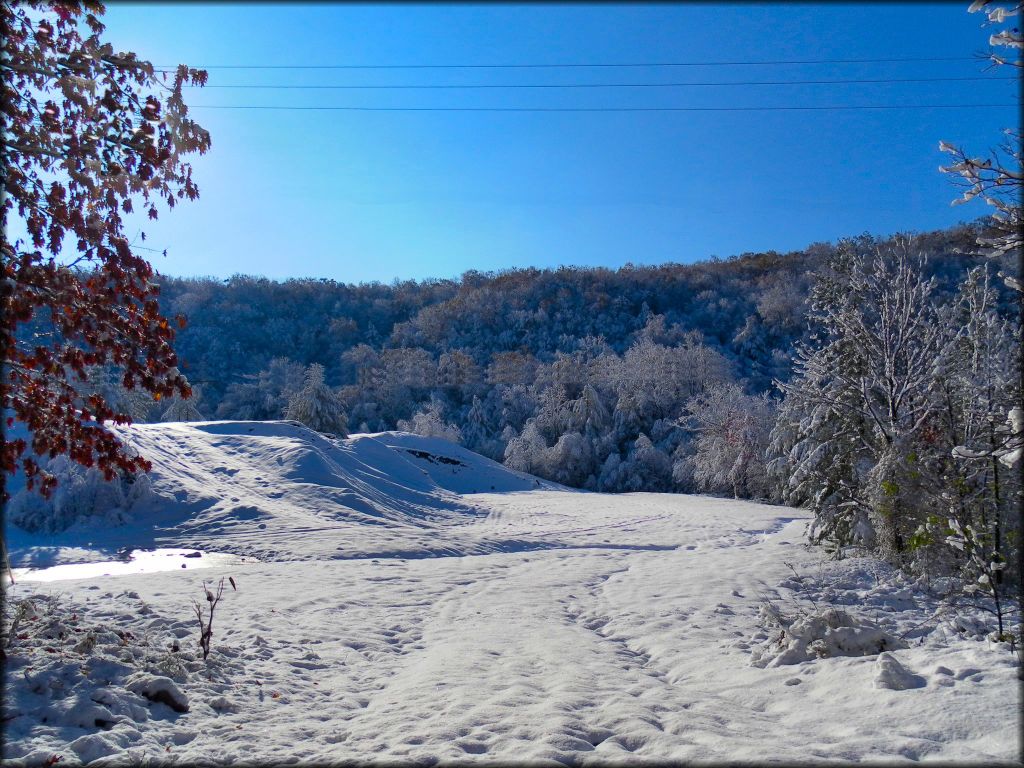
pixel 964 674
pixel 943 676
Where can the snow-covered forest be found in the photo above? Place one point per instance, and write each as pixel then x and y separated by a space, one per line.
pixel 508 364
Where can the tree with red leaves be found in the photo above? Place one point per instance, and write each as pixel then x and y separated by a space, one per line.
pixel 89 135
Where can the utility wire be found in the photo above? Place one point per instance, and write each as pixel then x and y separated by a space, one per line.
pixel 581 65
pixel 591 109
pixel 609 85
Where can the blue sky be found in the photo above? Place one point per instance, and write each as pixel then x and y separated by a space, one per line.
pixel 361 196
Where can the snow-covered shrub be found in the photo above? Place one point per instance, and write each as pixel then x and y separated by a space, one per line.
pixel 429 422
pixel 819 634
pixel 81 494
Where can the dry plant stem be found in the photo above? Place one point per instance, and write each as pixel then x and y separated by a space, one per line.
pixel 206 625
pixel 803 587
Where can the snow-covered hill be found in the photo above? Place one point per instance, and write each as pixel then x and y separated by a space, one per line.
pixel 396 615
pixel 279 491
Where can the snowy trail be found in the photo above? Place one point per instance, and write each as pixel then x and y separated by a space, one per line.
pixel 557 626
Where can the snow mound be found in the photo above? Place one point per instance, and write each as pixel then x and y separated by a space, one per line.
pixel 820 634
pixel 273 490
pixel 894 676
pixel 158 689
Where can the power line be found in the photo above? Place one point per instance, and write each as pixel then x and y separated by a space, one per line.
pixel 593 109
pixel 583 65
pixel 609 85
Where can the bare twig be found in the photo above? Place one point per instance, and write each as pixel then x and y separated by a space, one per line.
pixel 206 617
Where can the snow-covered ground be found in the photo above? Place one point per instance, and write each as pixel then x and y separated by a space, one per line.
pixel 415 601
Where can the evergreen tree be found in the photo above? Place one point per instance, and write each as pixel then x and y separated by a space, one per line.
pixel 317 406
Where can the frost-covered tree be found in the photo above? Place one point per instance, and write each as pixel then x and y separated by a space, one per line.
pixel 569 461
pixel 819 439
pixel 979 529
pixel 646 467
pixel 317 406
pixel 1010 37
pixel 430 422
pixel 978 489
pixel 862 395
pixel 403 378
pixel 459 374
pixel 732 431
pixel 657 379
pixel 588 414
pixel 999 180
pixel 365 360
pixel 511 368
pixel 184 409
pixel 107 381
pixel 981 375
pixel 475 428
pixel 526 452
pixel 246 401
pixel 612 476
pixel 264 395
